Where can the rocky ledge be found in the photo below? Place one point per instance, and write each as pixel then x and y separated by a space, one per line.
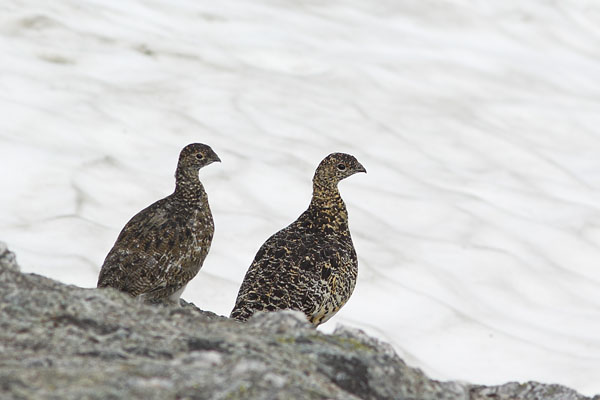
pixel 64 342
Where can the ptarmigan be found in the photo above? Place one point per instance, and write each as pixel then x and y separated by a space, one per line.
pixel 311 265
pixel 163 246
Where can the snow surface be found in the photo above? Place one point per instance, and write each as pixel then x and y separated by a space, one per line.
pixel 477 225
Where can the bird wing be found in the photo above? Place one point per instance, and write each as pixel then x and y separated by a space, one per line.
pixel 292 270
pixel 136 263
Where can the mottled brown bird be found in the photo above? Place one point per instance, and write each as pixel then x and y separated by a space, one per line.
pixel 163 246
pixel 311 265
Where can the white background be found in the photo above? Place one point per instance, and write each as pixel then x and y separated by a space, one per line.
pixel 477 226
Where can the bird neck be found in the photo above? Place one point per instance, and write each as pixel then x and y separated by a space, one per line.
pixel 187 185
pixel 327 212
pixel 327 196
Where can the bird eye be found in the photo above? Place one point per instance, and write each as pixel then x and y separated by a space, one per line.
pixel 341 167
pixel 199 156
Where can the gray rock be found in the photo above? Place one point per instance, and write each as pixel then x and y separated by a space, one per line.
pixel 529 390
pixel 7 259
pixel 63 342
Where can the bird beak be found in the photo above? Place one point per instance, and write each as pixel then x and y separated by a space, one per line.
pixel 361 168
pixel 215 157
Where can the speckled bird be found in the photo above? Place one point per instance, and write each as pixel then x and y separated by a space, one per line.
pixel 310 265
pixel 164 246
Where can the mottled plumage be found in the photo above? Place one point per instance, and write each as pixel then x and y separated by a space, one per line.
pixel 311 265
pixel 163 246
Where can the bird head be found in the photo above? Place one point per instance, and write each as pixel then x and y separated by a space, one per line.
pixel 197 155
pixel 338 166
